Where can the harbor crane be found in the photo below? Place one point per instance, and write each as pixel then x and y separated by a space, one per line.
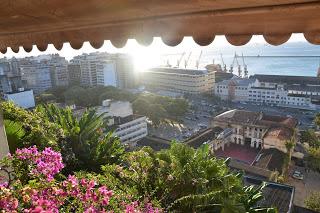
pixel 186 61
pixel 223 64
pixel 180 59
pixel 198 61
pixel 235 61
pixel 245 67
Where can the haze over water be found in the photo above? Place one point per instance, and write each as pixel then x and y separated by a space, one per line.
pixel 302 66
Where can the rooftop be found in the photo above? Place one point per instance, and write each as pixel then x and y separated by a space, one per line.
pixel 122 120
pixel 287 79
pixel 275 194
pixel 178 71
pixel 237 81
pixel 255 118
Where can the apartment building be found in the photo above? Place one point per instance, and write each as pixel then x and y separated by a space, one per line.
pixel 37 74
pixel 129 127
pixel 10 78
pixel 271 93
pixel 254 129
pixel 58 71
pixel 103 69
pixel 183 81
pixel 126 75
pixel 74 74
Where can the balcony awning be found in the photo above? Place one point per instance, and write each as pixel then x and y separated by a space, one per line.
pixel 37 22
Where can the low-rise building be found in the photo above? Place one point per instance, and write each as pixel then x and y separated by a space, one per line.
pixel 22 98
pixel 130 128
pixel 254 129
pixel 278 93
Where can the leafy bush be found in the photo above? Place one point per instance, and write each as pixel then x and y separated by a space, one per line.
pixel 313 201
pixel 44 193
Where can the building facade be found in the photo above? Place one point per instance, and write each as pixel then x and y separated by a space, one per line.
pixel 254 129
pixel 58 71
pixel 129 127
pixel 37 75
pixel 74 74
pixel 22 98
pixel 262 91
pixel 183 81
pixel 103 69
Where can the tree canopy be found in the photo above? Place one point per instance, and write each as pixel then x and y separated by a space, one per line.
pixel 179 179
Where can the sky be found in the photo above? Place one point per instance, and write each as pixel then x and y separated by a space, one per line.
pixel 144 57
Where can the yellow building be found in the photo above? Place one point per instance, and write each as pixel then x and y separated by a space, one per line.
pixel 179 80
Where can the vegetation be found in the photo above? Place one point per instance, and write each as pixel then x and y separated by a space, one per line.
pixel 83 143
pixel 313 159
pixel 39 187
pixel 84 96
pixel 161 109
pixel 310 138
pixel 103 177
pixel 290 144
pixel 313 201
pixel 157 108
pixel 313 141
pixel 85 138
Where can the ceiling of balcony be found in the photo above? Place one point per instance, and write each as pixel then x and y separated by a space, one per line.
pixel 40 22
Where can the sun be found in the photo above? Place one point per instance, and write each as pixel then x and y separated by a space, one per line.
pixel 145 58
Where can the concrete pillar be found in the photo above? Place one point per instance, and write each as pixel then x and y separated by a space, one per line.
pixel 4 148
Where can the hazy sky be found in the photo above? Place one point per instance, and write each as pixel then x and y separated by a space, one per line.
pixel 144 56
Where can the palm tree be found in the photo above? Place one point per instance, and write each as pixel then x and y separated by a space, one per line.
pixel 290 144
pixel 86 137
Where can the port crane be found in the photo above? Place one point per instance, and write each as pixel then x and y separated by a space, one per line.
pixel 186 61
pixel 198 61
pixel 245 67
pixel 223 64
pixel 235 61
pixel 180 59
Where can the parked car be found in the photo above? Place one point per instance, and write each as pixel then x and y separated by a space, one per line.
pixel 297 175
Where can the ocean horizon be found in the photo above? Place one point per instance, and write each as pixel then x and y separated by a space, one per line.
pixel 295 58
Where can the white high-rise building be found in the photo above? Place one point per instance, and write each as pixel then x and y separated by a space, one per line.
pixel 96 69
pixel 105 69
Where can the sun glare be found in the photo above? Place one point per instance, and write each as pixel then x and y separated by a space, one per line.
pixel 145 58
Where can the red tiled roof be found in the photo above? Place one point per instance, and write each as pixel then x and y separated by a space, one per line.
pixel 281 133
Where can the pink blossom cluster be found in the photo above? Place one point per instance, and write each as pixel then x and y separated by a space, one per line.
pixel 72 194
pixel 51 196
pixel 47 162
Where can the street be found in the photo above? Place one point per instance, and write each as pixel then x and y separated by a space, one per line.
pixel 203 109
pixel 305 187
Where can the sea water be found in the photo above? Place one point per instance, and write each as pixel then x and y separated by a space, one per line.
pixel 298 58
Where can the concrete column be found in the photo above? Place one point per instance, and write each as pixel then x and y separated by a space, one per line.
pixel 4 148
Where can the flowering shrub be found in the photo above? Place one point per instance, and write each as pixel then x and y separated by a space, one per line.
pixel 46 194
pixel 47 162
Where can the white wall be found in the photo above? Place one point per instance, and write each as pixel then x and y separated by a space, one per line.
pixel 109 73
pixel 24 99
